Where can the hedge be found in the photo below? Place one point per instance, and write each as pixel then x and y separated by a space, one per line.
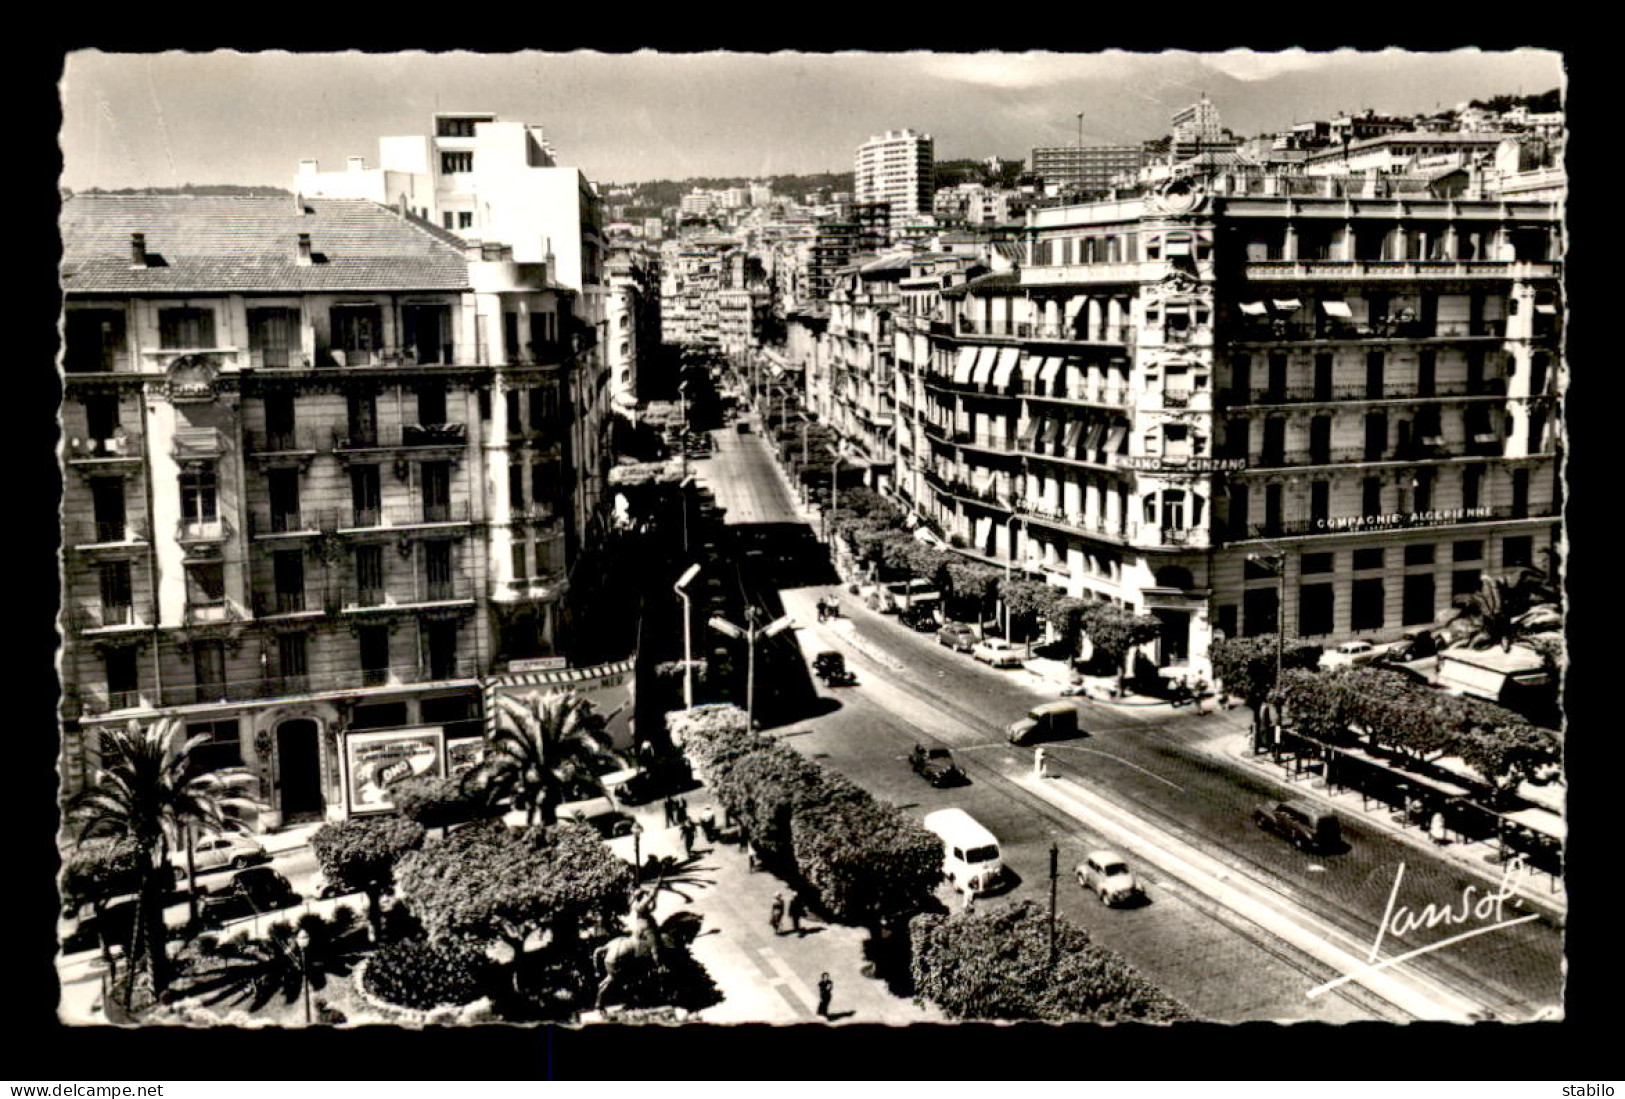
pixel 425 975
pixel 866 860
pixel 995 965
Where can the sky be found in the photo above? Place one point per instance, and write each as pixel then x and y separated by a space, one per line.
pixel 164 119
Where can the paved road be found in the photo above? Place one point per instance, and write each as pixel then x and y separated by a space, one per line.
pixel 1173 774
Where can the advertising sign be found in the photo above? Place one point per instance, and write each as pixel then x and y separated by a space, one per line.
pixel 463 755
pixel 374 759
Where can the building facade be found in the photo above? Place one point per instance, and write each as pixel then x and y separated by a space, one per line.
pixel 1086 169
pixel 325 469
pixel 896 168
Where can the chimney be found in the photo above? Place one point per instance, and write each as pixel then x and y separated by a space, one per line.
pixel 356 164
pixel 304 250
pixel 138 249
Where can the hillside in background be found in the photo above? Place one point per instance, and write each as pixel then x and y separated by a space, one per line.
pixel 187 189
pixel 648 198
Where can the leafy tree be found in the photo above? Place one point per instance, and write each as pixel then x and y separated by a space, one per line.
pixel 1115 632
pixel 1505 609
pixel 150 793
pixel 361 853
pixel 425 975
pixel 995 965
pixel 1504 748
pixel 1246 665
pixel 869 862
pixel 493 883
pixel 436 802
pixel 540 743
pixel 244 969
pixel 1315 702
pixel 971 584
pixel 1025 599
pixel 98 869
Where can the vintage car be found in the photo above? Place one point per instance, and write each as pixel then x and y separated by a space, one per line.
pixel 936 766
pixel 830 666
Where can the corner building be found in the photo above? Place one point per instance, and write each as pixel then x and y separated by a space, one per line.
pixel 1360 383
pixel 319 480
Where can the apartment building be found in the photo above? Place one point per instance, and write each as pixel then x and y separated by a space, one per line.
pixel 633 321
pixel 1174 389
pixel 896 168
pixel 860 346
pixel 1086 169
pixel 324 470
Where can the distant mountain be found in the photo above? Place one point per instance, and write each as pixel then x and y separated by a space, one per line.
pixel 1544 103
pixel 189 189
pixel 658 193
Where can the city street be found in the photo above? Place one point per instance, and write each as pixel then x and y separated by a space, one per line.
pixel 1172 773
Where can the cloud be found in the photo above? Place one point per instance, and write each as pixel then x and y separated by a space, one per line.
pixel 1002 70
pixel 1248 65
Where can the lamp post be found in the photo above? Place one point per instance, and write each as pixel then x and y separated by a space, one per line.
pixel 751 634
pixel 1275 561
pixel 834 495
pixel 682 502
pixel 681 588
pixel 302 941
pixel 1009 537
pixel 637 853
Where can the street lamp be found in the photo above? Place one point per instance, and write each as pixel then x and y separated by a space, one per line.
pixel 834 494
pixel 751 633
pixel 637 853
pixel 681 588
pixel 1275 561
pixel 1010 540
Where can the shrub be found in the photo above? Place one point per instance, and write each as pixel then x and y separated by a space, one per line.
pixel 424 975
pixel 866 860
pixel 996 966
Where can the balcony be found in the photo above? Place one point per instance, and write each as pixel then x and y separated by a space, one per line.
pixel 1360 455
pixel 402 516
pixel 422 595
pixel 196 533
pixel 121 448
pixel 302 442
pixel 1391 270
pixel 448 354
pixel 194 444
pixel 1110 396
pixel 93 618
pixel 1288 332
pixel 211 614
pixel 280 686
pixel 1396 391
pixel 107 534
pixel 1121 335
pixel 1365 524
pixel 401 437
pixel 1075 522
pixel 292 604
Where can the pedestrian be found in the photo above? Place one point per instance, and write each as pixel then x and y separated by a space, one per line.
pixel 826 991
pixel 682 809
pixel 667 805
pixel 753 857
pixel 708 824
pixel 796 910
pixel 970 901
pixel 687 829
pixel 1436 828
pixel 777 913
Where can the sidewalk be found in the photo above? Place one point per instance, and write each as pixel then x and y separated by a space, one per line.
pixel 1534 886
pixel 763 977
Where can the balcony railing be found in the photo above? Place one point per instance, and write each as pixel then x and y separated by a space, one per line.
pixel 123 446
pixel 1394 391
pixel 110 616
pixel 191 531
pixel 1400 269
pixel 1287 331
pixel 298 441
pixel 405 515
pixel 210 614
pixel 268 604
pixel 101 532
pixel 1116 396
pixel 462 667
pixel 1119 335
pixel 401 436
pixel 261 525
pixel 1343 455
pixel 353 597
pixel 448 354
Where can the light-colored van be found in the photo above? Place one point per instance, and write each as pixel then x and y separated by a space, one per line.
pixel 970 854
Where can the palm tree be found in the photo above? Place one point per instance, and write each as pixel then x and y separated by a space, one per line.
pixel 540 744
pixel 149 792
pixel 1503 610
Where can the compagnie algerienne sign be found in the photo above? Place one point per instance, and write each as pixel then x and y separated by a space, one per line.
pixel 1403 519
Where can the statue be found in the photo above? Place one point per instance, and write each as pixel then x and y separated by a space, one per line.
pixel 640 951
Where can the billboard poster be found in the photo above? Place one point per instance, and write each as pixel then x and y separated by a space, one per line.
pixel 374 759
pixel 463 755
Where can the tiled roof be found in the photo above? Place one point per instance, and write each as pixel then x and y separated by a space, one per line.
pixel 985 284
pixel 222 244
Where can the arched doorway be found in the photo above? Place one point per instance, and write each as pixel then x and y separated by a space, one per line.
pixel 299 771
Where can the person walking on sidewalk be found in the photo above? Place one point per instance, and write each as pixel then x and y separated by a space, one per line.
pixel 708 824
pixel 826 992
pixel 796 910
pixel 777 914
pixel 667 806
pixel 687 830
pixel 1436 829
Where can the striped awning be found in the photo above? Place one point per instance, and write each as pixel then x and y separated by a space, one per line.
pixel 1052 366
pixel 1025 439
pixel 962 369
pixel 1115 437
pixel 1073 430
pixel 984 365
pixel 1030 365
pixel 607 686
pixel 1097 432
pixel 1008 358
pixel 1052 430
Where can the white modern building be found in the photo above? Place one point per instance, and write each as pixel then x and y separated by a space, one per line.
pixel 896 168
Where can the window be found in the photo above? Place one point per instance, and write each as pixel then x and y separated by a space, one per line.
pixel 515 425
pixel 1315 606
pixel 273 336
pixel 1518 552
pixel 292 661
pixel 1373 374
pixel 362 419
pixel 205 585
pixel 1312 563
pixel 1371 496
pixel 448 220
pixel 456 162
pixel 1320 439
pixel 1238 511
pixel 373 642
pixel 1241 376
pixel 283 487
pixel 436 488
pixel 1520 494
pixel 358 332
pixel 365 494
pixel 432 403
pixel 279 421
pixel 1425 374
pixel 1236 435
pixel 93 340
pixel 223 748
pixel 107 505
pixel 1272 509
pixel 1419 555
pixel 544 482
pixel 369 575
pixel 1376 436
pixel 1365 604
pixel 123 683
pixel 379 715
pixel 465 219
pixel 437 571
pixel 516 486
pixel 1323 377
pixel 440 643
pixel 1274 441
pixel 1471 483
pixel 209 670
pixel 101 417
pixel 1277 378
pixel 115 591
pixel 1319 502
pixel 1467 551
pixel 198 494
pixel 1368 558
pixel 1417 604
pixel 1422 491
pixel 454 127
pixel 1464 582
pixel 1260 607
pixel 185 329
pixel 521 568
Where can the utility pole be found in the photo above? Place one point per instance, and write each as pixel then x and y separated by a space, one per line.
pixel 1054 873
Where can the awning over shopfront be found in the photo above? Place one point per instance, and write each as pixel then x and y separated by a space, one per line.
pixel 1030 365
pixel 1540 820
pixel 962 369
pixel 1073 431
pixel 1253 308
pixel 1008 358
pixel 1052 366
pixel 607 686
pixel 1288 305
pixel 1115 437
pixel 1025 439
pixel 1336 308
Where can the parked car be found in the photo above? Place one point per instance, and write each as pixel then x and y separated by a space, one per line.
pixel 1411 647
pixel 957 636
pixel 897 596
pixel 601 813
pixel 1303 825
pixel 1050 721
pixel 936 766
pixel 211 853
pixel 743 427
pixel 999 653
pixel 253 891
pixel 1106 874
pixel 921 616
pixel 971 860
pixel 830 666
pixel 656 780
pixel 1350 652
